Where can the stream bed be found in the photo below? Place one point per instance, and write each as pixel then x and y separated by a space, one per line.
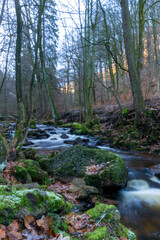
pixel 139 202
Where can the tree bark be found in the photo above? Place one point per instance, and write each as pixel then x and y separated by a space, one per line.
pixel 131 59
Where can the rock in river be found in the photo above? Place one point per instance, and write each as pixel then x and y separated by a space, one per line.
pixel 98 167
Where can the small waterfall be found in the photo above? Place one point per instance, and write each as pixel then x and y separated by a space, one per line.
pixel 140 204
pixel 141 192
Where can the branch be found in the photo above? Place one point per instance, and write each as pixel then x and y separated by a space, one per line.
pixel 6 67
pixel 100 81
pixel 151 19
pixel 2 11
pixel 151 6
pixel 108 49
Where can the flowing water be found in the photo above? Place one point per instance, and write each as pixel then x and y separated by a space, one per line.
pixel 139 202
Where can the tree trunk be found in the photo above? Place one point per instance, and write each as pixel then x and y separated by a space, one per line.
pixel 130 54
pixel 20 105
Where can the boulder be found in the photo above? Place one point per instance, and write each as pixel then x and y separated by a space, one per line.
pixel 29 153
pixel 84 191
pixel 31 172
pixel 32 185
pixel 87 191
pixel 78 182
pixel 64 136
pixel 21 174
pixel 27 143
pixel 111 228
pixel 155 170
pixel 38 135
pixel 98 167
pixel 17 204
pixel 3 149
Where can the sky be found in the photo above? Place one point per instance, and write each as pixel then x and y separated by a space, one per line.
pixel 68 17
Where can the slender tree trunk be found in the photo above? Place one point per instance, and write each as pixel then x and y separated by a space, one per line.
pixel 68 76
pixel 156 54
pixel 6 67
pixel 20 105
pixel 141 37
pixel 46 82
pixel 130 54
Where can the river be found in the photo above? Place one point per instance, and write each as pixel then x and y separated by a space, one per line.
pixel 139 202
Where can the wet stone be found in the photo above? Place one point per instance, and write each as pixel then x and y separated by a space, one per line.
pixel 64 136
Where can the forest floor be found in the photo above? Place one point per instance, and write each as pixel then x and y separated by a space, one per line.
pixel 118 129
pixel 111 127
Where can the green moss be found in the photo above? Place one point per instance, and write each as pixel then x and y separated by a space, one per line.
pixel 72 162
pixel 3 151
pixel 19 146
pixel 30 153
pixel 110 217
pixel 100 209
pixel 34 170
pixel 58 123
pixel 21 174
pixel 18 134
pixel 77 128
pixel 139 149
pixel 29 162
pixel 17 204
pixel 125 112
pixel 37 174
pixel 0 136
pixel 50 123
pixel 126 233
pixel 32 124
pixel 68 207
pixel 46 164
pixel 98 234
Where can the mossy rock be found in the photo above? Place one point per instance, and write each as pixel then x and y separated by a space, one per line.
pixel 34 170
pixel 16 204
pixel 32 124
pixel 76 160
pixel 110 212
pixel 110 217
pixel 98 234
pixel 77 128
pixel 3 149
pixel 29 153
pixel 21 174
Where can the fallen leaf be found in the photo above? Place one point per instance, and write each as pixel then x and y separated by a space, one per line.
pixel 29 222
pixel 45 223
pixel 15 226
pixel 71 230
pixel 2 233
pixel 13 235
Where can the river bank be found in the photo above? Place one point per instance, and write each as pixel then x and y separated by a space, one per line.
pixel 49 139
pixel 30 187
pixel 118 129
